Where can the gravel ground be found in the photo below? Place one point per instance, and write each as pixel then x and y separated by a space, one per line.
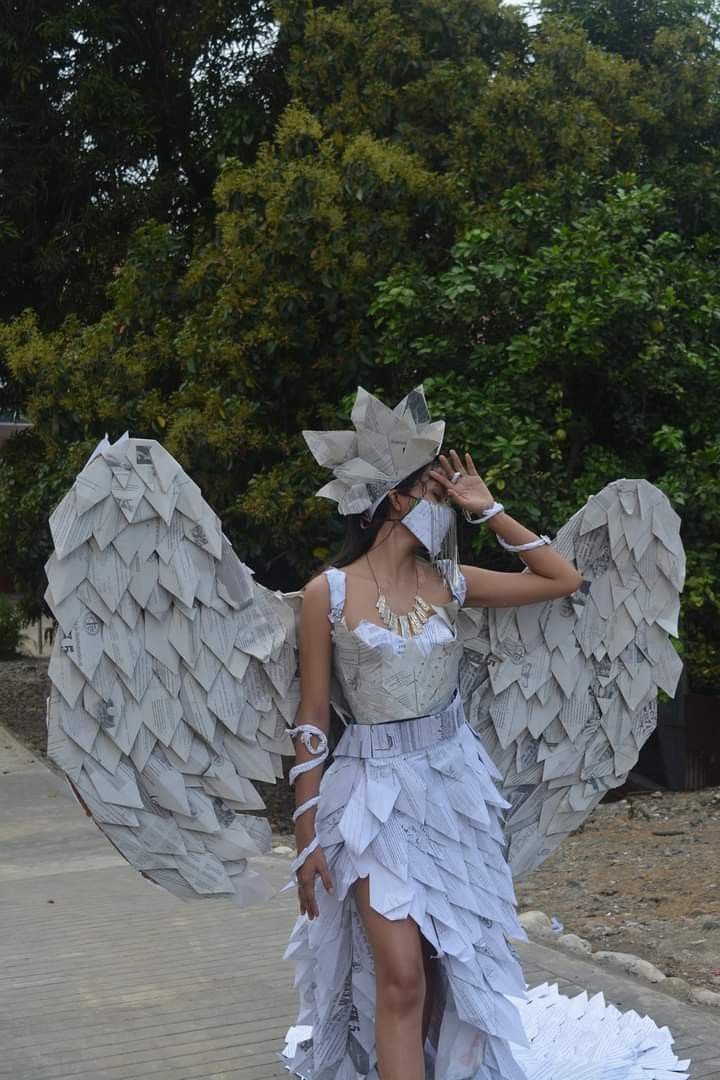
pixel 641 876
pixel 24 687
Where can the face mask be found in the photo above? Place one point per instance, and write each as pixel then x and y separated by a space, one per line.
pixel 429 522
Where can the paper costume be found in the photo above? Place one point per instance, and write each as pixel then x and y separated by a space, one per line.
pixel 468 751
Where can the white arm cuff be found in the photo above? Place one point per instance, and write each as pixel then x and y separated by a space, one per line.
pixel 543 539
pixel 478 519
pixel 321 752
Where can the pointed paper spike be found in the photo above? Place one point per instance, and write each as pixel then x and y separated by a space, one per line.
pixel 331 447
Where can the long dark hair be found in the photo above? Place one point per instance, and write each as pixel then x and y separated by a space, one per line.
pixel 360 534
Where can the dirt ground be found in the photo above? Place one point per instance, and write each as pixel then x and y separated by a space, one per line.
pixel 641 876
pixel 24 686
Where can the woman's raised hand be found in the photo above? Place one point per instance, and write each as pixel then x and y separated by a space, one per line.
pixel 468 491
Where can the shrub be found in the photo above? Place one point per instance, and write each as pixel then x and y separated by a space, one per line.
pixel 11 624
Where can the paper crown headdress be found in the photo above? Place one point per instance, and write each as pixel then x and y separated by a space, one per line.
pixel 386 446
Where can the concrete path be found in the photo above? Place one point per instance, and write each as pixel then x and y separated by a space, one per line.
pixel 104 976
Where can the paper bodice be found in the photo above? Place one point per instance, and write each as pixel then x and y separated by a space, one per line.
pixel 384 676
pixel 381 684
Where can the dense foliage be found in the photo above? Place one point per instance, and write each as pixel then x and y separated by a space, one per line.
pixel 112 113
pixel 525 219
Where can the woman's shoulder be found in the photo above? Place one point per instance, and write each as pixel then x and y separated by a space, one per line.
pixel 324 579
pixel 326 591
pixel 318 584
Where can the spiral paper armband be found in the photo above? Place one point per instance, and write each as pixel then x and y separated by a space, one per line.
pixel 478 519
pixel 320 752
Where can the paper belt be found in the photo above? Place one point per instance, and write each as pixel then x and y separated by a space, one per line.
pixel 401 736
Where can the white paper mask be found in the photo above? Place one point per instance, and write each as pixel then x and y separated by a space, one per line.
pixel 430 522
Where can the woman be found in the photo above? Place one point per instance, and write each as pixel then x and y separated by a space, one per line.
pixel 406 901
pixel 408 864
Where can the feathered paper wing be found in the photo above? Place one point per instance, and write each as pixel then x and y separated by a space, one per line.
pixel 174 675
pixel 563 694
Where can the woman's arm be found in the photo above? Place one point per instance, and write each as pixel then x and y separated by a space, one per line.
pixel 550 575
pixel 315 654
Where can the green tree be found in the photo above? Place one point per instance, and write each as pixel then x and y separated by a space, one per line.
pixel 631 27
pixel 111 113
pixel 596 355
pixel 447 196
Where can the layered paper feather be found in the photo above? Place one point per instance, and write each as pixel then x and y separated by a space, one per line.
pixel 174 675
pixel 563 694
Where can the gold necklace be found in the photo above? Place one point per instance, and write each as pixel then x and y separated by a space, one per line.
pixel 406 625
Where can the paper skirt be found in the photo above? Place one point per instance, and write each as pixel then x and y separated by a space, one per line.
pixel 413 806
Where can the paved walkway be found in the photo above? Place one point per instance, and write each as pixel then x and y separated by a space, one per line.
pixel 104 976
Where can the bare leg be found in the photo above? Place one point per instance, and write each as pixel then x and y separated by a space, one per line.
pixel 399 990
pixel 430 968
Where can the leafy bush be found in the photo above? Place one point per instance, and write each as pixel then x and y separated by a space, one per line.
pixel 11 624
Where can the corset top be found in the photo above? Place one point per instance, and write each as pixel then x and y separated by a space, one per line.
pixel 384 676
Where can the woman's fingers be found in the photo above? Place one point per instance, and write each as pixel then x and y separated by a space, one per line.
pixel 440 477
pixel 448 469
pixel 327 880
pixel 468 468
pixel 453 464
pixel 316 865
pixel 307 899
pixel 309 904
